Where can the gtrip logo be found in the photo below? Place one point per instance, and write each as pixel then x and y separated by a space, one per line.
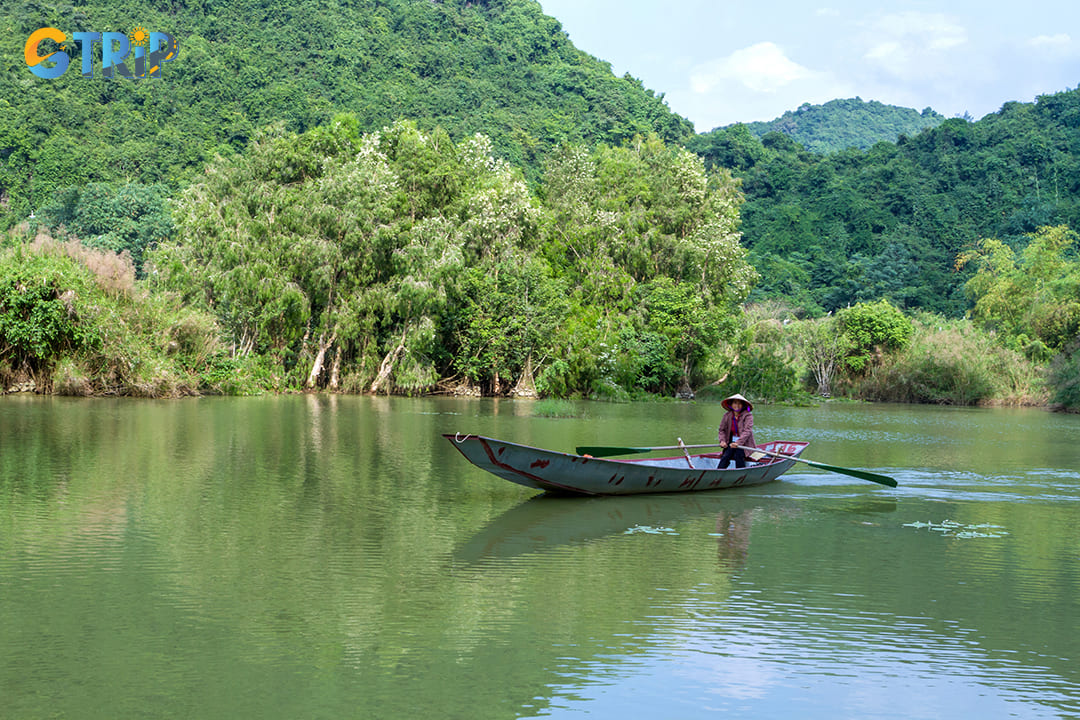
pixel 138 54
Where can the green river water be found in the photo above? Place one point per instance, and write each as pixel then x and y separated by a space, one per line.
pixel 335 557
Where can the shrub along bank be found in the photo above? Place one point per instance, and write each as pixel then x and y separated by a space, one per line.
pixel 73 321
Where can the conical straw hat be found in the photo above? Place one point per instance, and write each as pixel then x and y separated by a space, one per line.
pixel 726 402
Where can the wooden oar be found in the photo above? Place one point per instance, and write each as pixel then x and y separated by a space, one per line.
pixel 686 453
pixel 862 474
pixel 603 451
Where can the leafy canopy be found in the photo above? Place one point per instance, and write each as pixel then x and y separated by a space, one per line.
pixel 399 259
pixel 500 67
pixel 872 328
pixel 1032 297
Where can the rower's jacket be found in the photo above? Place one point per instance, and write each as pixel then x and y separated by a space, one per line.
pixel 745 425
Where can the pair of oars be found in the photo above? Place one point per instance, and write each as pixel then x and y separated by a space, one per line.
pixel 604 451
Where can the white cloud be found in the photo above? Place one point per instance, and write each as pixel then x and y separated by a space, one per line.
pixel 935 31
pixel 952 56
pixel 1052 43
pixel 762 68
pixel 888 53
pixel 759 82
pixel 912 43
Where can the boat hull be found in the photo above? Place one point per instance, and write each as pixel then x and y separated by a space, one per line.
pixel 582 475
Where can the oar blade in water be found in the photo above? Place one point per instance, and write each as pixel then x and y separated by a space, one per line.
pixel 862 474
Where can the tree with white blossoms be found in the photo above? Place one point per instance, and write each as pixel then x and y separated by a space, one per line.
pixel 393 260
pixel 642 229
pixel 506 304
pixel 336 248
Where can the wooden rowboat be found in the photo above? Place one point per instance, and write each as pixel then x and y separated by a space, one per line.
pixel 560 472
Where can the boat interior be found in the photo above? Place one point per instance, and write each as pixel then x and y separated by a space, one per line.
pixel 710 461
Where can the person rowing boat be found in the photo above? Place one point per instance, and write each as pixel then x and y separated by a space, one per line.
pixel 736 430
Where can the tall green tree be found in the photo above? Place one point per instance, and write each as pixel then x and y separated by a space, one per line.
pixel 873 328
pixel 333 254
pixel 643 230
pixel 1031 297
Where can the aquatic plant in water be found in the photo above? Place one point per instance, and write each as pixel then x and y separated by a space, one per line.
pixel 951 528
pixel 650 530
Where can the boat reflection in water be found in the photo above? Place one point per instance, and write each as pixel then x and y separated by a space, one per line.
pixel 546 523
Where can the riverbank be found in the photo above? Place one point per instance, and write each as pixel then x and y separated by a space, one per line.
pixel 548 407
pixel 74 321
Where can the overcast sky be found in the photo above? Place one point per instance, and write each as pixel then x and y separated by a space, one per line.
pixel 743 60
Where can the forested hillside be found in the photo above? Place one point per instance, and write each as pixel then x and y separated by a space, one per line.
pixel 849 123
pixel 826 231
pixel 497 66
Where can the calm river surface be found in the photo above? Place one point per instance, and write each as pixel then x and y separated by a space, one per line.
pixel 334 557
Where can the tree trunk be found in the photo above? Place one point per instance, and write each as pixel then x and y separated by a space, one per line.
pixel 726 375
pixel 320 358
pixel 685 391
pixel 388 365
pixel 526 386
pixel 335 370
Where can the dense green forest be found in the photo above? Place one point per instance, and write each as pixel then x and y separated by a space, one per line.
pixel 500 67
pixel 399 261
pixel 826 231
pixel 849 123
pixel 408 196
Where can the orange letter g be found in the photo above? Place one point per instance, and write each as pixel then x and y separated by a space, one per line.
pixel 33 60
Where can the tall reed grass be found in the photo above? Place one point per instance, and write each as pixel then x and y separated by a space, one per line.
pixel 555 408
pixel 950 362
pixel 87 327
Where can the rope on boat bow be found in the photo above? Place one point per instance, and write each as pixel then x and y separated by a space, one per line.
pixel 458 439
